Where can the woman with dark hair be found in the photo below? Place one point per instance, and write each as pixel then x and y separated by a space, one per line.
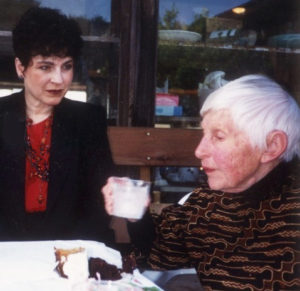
pixel 54 152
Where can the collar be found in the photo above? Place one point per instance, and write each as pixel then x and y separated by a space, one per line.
pixel 272 184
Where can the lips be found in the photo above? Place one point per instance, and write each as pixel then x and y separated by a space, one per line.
pixel 207 170
pixel 55 92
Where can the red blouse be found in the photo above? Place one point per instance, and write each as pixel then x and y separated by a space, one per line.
pixel 37 164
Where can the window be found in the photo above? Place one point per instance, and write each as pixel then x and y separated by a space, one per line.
pixel 97 69
pixel 203 44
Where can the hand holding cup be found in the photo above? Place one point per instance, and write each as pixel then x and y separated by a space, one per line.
pixel 126 198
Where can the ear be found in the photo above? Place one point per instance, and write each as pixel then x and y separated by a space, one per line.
pixel 19 68
pixel 277 141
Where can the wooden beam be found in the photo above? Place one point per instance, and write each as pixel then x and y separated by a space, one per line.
pixel 135 23
pixel 144 146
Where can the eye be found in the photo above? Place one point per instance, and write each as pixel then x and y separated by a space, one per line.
pixel 68 66
pixel 219 136
pixel 44 68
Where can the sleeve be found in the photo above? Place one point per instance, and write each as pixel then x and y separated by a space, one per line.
pixel 142 234
pixel 168 251
pixel 97 166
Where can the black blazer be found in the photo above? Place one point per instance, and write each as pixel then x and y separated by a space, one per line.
pixel 80 162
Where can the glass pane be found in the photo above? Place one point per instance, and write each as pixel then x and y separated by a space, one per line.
pixel 93 15
pixel 96 74
pixel 203 44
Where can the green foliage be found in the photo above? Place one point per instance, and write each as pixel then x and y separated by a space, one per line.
pixel 186 66
pixel 170 19
pixel 96 26
pixel 198 25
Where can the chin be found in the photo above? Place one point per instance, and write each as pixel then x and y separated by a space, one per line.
pixel 214 185
pixel 55 101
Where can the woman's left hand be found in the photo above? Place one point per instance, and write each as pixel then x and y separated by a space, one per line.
pixel 108 196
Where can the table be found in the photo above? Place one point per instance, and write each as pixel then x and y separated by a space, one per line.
pixel 30 266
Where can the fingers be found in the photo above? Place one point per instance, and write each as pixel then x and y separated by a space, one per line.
pixel 148 202
pixel 108 197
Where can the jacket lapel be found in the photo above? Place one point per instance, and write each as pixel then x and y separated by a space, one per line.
pixel 63 143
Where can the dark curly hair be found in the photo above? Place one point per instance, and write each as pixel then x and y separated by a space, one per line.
pixel 46 32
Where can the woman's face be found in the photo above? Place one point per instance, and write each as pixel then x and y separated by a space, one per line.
pixel 46 79
pixel 227 157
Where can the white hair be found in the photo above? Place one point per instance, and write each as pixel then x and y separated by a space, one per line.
pixel 258 106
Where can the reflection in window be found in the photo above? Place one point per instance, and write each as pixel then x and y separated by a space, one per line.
pixel 92 15
pixel 204 44
pixel 235 22
pixel 189 16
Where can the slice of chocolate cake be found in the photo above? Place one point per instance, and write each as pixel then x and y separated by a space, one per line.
pixel 74 264
pixel 105 270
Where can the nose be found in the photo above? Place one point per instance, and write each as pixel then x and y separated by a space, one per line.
pixel 201 149
pixel 57 76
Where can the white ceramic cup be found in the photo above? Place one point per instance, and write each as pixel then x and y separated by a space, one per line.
pixel 130 197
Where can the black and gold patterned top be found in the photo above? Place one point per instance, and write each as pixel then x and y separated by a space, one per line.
pixel 241 241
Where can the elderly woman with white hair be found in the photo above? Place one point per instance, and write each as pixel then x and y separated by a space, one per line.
pixel 241 231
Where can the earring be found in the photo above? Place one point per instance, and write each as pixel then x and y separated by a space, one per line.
pixel 201 168
pixel 21 77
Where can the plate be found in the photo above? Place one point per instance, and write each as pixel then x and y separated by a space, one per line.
pixel 113 286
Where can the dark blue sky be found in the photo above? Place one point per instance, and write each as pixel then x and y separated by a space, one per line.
pixel 187 8
pixel 85 8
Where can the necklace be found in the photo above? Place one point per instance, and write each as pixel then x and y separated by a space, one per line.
pixel 38 157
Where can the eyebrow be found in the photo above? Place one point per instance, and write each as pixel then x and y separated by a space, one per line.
pixel 52 63
pixel 45 62
pixel 69 61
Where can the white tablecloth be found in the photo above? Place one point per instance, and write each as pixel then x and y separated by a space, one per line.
pixel 29 266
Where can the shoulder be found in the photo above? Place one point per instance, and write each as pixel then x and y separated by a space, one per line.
pixel 287 182
pixel 12 99
pixel 198 200
pixel 81 107
pixel 202 196
pixel 12 107
pixel 84 115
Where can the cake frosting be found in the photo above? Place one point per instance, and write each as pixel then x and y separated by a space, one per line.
pixel 72 263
